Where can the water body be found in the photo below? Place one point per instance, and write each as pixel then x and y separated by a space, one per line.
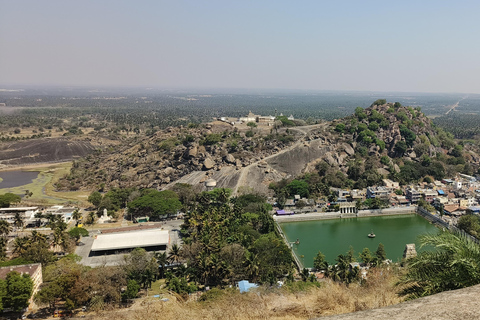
pixel 12 179
pixel 334 237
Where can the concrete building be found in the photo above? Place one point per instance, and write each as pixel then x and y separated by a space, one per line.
pixel 27 214
pixel 151 239
pixel 389 184
pixel 429 195
pixel 377 192
pixel 412 195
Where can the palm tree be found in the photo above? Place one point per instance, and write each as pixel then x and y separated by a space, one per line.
pixel 37 237
pixel 174 254
pixel 20 245
pixel 5 228
pixel 162 261
pixel 91 217
pixel 252 267
pixel 454 264
pixel 76 215
pixel 59 239
pixel 18 220
pixel 3 248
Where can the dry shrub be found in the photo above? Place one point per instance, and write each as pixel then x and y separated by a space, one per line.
pixel 280 304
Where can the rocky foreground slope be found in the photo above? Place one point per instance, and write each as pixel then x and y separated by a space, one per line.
pixel 449 305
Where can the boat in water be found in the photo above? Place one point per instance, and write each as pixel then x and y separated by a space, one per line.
pixel 371 235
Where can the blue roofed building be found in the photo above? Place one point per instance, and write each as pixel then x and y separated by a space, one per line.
pixel 475 209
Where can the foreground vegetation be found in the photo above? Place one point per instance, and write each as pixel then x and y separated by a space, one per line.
pixel 293 301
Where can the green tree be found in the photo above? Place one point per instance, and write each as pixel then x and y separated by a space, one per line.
pixel 8 198
pixel 5 228
pixel 274 257
pixel 155 204
pixel 141 266
pixel 19 289
pixel 18 220
pixel 366 256
pixel 380 254
pixel 299 187
pixel 319 262
pixel 252 124
pixel 77 233
pixel 469 223
pixel 162 260
pixel 174 253
pixel 340 127
pixel 132 290
pixel 360 113
pixel 400 147
pixel 95 198
pixel 379 102
pixel 453 265
pixel 76 215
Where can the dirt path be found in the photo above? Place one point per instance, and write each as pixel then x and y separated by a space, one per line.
pixel 303 130
pixel 452 108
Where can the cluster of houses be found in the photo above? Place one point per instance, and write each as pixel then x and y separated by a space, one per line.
pixel 454 196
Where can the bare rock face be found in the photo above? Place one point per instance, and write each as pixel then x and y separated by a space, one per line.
pixel 329 159
pixel 230 159
pixel 192 153
pixel 168 171
pixel 348 149
pixel 208 164
pixel 412 155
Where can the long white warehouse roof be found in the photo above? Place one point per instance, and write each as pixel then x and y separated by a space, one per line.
pixel 126 240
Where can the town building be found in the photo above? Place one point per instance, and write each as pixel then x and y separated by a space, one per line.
pixel 412 195
pixel 429 195
pixel 377 192
pixel 389 184
pixel 26 213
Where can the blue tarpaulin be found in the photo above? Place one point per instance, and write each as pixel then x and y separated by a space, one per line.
pixel 244 286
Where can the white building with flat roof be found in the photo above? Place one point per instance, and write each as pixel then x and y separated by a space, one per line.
pixel 147 239
pixel 27 213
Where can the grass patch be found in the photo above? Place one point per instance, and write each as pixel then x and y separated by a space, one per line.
pixel 156 288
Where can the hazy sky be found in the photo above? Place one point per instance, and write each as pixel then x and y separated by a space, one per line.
pixel 420 46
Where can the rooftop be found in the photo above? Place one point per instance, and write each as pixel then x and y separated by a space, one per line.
pixel 24 268
pixel 129 240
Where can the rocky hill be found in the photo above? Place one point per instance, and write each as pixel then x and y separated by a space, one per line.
pixel 155 162
pixel 356 151
pixel 398 142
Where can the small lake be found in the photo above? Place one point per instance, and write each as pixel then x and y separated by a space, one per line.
pixel 12 179
pixel 334 237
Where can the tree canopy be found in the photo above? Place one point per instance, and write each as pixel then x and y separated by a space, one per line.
pixel 155 204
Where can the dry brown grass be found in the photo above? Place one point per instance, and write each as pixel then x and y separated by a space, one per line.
pixel 281 304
